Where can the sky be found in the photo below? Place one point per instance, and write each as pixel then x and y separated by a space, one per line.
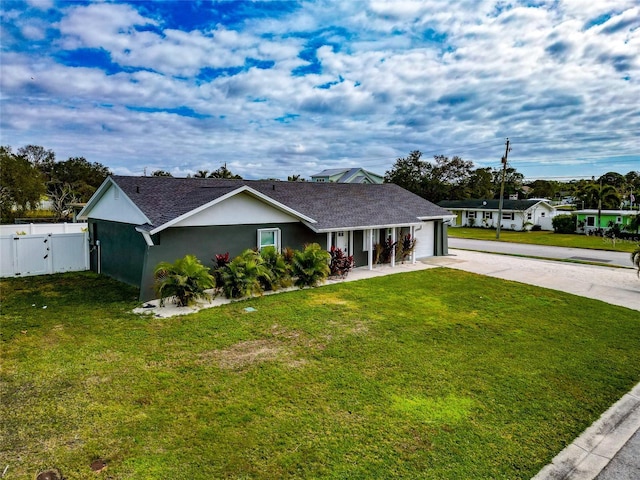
pixel 283 88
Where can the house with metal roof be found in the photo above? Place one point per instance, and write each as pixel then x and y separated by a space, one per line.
pixel 137 222
pixel 516 214
pixel 347 175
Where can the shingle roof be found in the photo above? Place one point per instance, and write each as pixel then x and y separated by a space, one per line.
pixel 483 204
pixel 331 205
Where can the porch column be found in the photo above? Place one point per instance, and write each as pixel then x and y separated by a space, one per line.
pixel 369 234
pixel 350 233
pixel 413 237
pixel 328 241
pixel 393 255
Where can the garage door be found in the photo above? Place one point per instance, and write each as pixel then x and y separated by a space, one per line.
pixel 424 240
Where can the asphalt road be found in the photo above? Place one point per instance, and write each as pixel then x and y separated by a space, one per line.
pixel 617 259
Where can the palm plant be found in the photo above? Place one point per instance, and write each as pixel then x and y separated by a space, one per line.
pixel 310 266
pixel 279 270
pixel 186 280
pixel 635 259
pixel 244 275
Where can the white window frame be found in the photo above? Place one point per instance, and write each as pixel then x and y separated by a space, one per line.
pixel 471 214
pixel 618 219
pixel 365 238
pixel 507 216
pixel 487 215
pixel 277 237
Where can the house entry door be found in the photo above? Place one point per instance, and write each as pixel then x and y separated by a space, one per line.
pixel 342 241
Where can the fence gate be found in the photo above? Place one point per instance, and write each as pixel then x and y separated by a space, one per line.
pixel 24 255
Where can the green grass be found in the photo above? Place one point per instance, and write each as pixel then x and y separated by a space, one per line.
pixel 544 238
pixel 433 374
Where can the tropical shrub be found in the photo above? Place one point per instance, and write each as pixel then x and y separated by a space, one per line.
pixel 244 275
pixel 220 261
pixel 405 247
pixel 564 224
pixel 310 266
pixel 537 228
pixel 279 270
pixel 386 250
pixel 340 264
pixel 185 280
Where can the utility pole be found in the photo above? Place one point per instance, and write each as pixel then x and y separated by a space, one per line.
pixel 504 173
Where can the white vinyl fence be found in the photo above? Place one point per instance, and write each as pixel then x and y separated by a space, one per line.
pixel 43 253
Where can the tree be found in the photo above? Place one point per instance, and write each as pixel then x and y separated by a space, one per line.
pixel 224 172
pixel 512 181
pixel 161 173
pixel 480 183
pixel 21 185
pixel 43 160
pixel 201 174
pixel 447 179
pixel 408 173
pixel 76 179
pixel 544 188
pixel 295 178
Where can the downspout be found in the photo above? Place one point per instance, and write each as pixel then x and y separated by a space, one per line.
pixel 98 257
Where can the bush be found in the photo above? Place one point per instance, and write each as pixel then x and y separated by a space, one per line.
pixel 245 275
pixel 220 261
pixel 564 224
pixel 340 264
pixel 405 247
pixel 310 266
pixel 536 228
pixel 385 251
pixel 186 280
pixel 279 270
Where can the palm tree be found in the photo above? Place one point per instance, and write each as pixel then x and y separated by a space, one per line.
pixel 599 196
pixel 201 174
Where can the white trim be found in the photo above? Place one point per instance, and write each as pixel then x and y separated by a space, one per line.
pixel 277 237
pixel 241 189
pixel 146 236
pixel 378 227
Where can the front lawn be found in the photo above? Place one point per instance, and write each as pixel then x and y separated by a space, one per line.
pixel 545 238
pixel 432 374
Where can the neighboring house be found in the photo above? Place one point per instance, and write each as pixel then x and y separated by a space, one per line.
pixel 137 222
pixel 516 214
pixel 347 175
pixel 588 219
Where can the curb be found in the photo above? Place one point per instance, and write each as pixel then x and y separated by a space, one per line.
pixel 587 456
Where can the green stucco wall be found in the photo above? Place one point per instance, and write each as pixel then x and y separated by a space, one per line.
pixel 206 242
pixel 122 250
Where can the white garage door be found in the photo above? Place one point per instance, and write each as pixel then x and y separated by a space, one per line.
pixel 424 240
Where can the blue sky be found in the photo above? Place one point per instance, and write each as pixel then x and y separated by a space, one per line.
pixel 280 88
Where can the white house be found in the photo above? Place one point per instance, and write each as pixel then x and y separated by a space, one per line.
pixel 516 214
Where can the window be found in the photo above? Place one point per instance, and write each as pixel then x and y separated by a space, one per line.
pixel 365 238
pixel 542 214
pixel 591 221
pixel 269 237
pixel 487 215
pixel 471 214
pixel 618 219
pixel 530 215
pixel 507 216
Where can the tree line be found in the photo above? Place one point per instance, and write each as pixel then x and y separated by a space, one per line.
pixel 456 179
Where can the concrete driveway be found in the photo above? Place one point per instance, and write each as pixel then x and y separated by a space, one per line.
pixel 619 259
pixel 618 286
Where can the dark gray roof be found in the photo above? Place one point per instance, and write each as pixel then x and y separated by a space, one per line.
pixel 484 204
pixel 331 205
